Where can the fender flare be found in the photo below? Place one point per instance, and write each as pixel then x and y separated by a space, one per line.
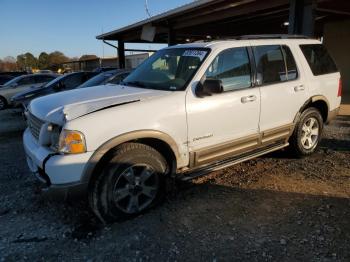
pixel 312 99
pixel 118 140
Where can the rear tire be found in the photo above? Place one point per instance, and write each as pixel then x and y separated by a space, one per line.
pixel 130 183
pixel 3 103
pixel 307 133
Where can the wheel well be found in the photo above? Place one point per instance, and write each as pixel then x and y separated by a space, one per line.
pixel 321 106
pixel 1 97
pixel 162 147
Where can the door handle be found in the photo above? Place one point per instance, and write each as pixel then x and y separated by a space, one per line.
pixel 246 99
pixel 299 88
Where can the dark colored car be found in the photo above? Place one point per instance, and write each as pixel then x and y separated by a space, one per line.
pixel 5 78
pixel 14 74
pixel 104 69
pixel 107 77
pixel 62 83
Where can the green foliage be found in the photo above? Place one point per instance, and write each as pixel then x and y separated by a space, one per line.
pixel 43 61
pixel 27 61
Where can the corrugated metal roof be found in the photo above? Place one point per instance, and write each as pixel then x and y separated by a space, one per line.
pixel 168 14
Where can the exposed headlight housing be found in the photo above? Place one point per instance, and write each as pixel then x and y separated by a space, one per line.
pixel 71 142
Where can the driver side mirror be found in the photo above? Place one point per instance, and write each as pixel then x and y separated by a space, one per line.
pixel 209 87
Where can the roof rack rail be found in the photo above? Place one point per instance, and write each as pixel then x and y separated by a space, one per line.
pixel 271 36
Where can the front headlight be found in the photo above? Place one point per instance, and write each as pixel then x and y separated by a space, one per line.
pixel 71 142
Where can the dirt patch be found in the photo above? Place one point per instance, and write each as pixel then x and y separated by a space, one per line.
pixel 268 209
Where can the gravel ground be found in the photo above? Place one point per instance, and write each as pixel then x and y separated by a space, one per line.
pixel 274 208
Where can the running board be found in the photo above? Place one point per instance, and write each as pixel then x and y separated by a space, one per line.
pixel 201 171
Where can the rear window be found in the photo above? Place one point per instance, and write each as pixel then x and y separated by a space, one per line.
pixel 319 60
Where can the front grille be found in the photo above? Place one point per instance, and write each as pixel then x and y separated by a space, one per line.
pixel 34 125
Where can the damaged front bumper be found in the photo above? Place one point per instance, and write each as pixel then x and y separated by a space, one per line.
pixel 60 175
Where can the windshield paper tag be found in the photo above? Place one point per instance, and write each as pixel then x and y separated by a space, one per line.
pixel 195 53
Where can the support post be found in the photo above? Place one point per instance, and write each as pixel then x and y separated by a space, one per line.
pixel 121 54
pixel 171 37
pixel 302 17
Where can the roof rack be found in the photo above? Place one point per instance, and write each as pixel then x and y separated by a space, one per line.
pixel 271 36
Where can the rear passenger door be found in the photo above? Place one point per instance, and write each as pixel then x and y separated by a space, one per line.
pixel 282 89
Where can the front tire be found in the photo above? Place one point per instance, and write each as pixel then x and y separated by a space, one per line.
pixel 307 133
pixel 130 183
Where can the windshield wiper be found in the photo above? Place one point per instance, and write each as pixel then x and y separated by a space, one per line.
pixel 134 83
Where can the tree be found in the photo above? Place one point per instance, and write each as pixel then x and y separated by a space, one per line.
pixel 8 64
pixel 87 57
pixel 56 58
pixel 27 61
pixel 43 61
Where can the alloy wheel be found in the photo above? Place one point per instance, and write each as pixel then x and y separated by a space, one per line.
pixel 310 133
pixel 136 188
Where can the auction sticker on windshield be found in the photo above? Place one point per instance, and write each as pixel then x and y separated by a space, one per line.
pixel 195 53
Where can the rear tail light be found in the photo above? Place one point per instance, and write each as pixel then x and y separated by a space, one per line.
pixel 340 87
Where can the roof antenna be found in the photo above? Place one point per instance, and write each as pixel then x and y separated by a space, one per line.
pixel 146 8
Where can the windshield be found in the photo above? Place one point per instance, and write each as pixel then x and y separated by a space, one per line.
pixel 14 80
pixel 99 79
pixel 168 69
pixel 56 80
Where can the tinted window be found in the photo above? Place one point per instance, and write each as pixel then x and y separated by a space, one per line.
pixel 43 79
pixel 232 67
pixel 319 60
pixel 73 81
pixel 270 64
pixel 292 71
pixel 117 79
pixel 26 81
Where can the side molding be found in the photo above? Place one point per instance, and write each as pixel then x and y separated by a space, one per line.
pixel 140 134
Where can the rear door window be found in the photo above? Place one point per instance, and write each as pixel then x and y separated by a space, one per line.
pixel 269 64
pixel 292 71
pixel 274 64
pixel 319 60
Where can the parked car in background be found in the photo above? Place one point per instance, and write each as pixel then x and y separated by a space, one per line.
pixel 104 69
pixel 107 77
pixel 4 79
pixel 20 84
pixel 14 73
pixel 61 83
pixel 45 72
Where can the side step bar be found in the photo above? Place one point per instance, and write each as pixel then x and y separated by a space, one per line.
pixel 201 171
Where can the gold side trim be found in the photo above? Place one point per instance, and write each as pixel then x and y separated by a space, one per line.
pixel 224 150
pixel 239 146
pixel 278 133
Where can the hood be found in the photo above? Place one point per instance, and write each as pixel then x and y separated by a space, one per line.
pixel 65 106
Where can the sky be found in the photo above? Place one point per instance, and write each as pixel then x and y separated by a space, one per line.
pixel 69 26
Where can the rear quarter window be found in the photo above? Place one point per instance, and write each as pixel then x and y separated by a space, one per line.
pixel 319 60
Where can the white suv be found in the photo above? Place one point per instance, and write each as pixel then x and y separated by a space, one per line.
pixel 187 110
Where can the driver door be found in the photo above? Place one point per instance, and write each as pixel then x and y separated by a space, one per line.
pixel 226 124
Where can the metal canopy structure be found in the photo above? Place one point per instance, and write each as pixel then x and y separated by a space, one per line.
pixel 217 19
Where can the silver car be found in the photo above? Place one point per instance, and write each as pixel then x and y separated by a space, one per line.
pixel 21 83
